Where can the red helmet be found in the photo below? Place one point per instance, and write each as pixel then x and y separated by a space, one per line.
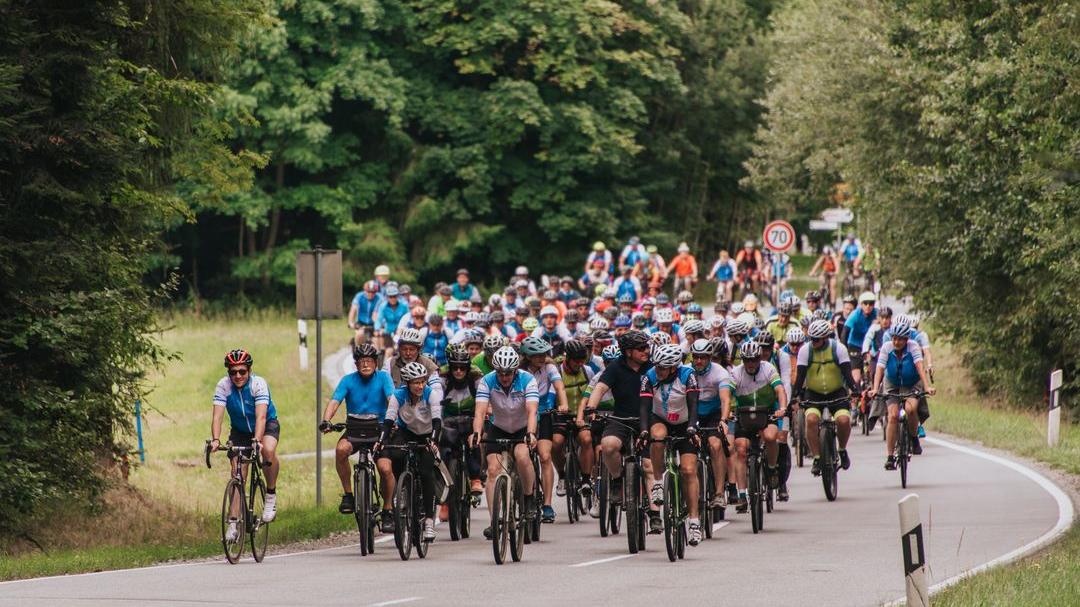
pixel 237 357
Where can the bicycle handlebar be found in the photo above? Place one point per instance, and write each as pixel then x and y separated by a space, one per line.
pixel 226 448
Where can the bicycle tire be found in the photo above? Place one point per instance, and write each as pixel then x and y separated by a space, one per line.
pixel 768 498
pixel 260 531
pixel 798 433
pixel 902 455
pixel 453 502
pixel 538 500
pixel 705 489
pixel 671 534
pixel 403 515
pixel 828 465
pixel 753 476
pixel 614 519
pixel 233 500
pixel 464 521
pixel 516 522
pixel 418 511
pixel 570 479
pixel 501 530
pixel 631 500
pixel 603 489
pixel 362 509
pixel 643 508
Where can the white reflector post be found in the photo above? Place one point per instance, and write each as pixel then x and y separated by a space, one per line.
pixel 911 543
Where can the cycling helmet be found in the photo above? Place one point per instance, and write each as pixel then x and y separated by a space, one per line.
pixel 701 347
pixel 914 321
pixel 749 244
pixel 484 320
pixel 664 316
pixel 585 339
pixel 717 322
pixel 694 308
pixel 819 329
pixel 473 336
pixel 648 302
pixel 549 311
pixel 409 336
pixel 530 324
pixel 867 296
pixel 813 296
pixel 622 321
pixel 662 299
pixel 435 318
pixel 472 317
pixel 903 319
pixel 237 357
pixel 598 322
pixel 601 335
pixel 610 314
pixel 759 323
pixel 492 343
pixel 549 295
pixel 826 249
pixel 365 350
pixel 405 290
pixel 598 246
pixel 534 303
pixel 738 328
pixel 795 336
pixel 737 308
pixel 884 312
pixel 610 353
pixel 660 338
pixel 521 271
pixel 785 309
pixel 600 290
pixel 667 355
pixel 456 354
pixel 849 299
pixel 718 346
pixel 532 346
pixel 901 329
pixel 639 321
pixel 767 341
pixel 414 370
pixel 581 301
pixel 382 270
pixel 750 350
pixel 391 291
pixel 497 316
pixel 626 298
pixel 575 349
pixel 820 314
pixel 505 359
pixel 795 302
pixel 572 316
pixel 694 326
pixel 748 317
pixel 685 297
pixel 371 286
pixel 633 340
pixel 495 301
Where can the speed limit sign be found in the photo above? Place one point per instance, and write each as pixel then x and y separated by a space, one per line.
pixel 779 236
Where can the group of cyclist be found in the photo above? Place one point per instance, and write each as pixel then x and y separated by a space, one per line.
pixel 621 369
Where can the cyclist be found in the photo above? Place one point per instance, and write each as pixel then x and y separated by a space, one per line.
pixel 382 277
pixel 252 420
pixel 633 255
pixel 566 293
pixel 459 382
pixel 827 263
pixel 594 276
pixel 824 369
pixel 550 387
pixel 787 362
pixel 576 375
pixel 491 344
pixel 749 264
pixel 778 326
pixel 528 326
pixel 918 337
pixel 436 340
pixel 362 310
pixel 900 365
pixel 714 405
pixel 627 286
pixel 738 332
pixel 366 394
pixel 462 289
pixel 409 351
pixel 669 394
pixel 857 324
pixel 779 273
pixel 756 383
pixel 655 270
pixel 521 273
pixel 602 255
pixel 839 319
pixel 417 412
pixel 551 331
pixel 852 253
pixel 686 270
pixel 438 301
pixel 813 304
pixel 390 313
pixel 665 323
pixel 452 320
pixel 693 330
pixel 723 272
pixel 512 398
pixel 622 378
pixel 500 327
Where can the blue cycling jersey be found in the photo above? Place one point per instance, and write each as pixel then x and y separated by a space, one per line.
pixel 851 250
pixel 858 324
pixel 365 308
pixel 240 402
pixel 368 397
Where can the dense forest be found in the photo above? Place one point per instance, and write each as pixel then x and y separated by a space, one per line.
pixel 159 153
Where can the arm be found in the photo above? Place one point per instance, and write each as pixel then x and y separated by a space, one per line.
pixel 693 268
pixel 560 396
pixel 260 422
pixel 478 417
pixel 800 378
pixel 353 311
pixel 921 368
pixel 725 403
pixel 597 395
pixel 530 407
pixel 331 409
pixel 215 423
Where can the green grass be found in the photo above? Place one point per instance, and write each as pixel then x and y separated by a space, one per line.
pixel 1051 577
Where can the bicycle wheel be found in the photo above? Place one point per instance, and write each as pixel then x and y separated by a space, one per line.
pixel 680 529
pixel 570 479
pixel 454 502
pixel 671 533
pixel 519 534
pixel 798 442
pixel 631 499
pixel 466 506
pixel 260 531
pixel 233 501
pixel 538 500
pixel 642 502
pixel 403 515
pixel 419 511
pixel 603 487
pixel 501 530
pixel 753 477
pixel 614 519
pixel 362 508
pixel 705 493
pixel 828 464
pixel 902 452
pixel 768 498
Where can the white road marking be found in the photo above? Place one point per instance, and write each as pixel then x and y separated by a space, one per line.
pixel 599 561
pixel 1065 516
pixel 718 526
pixel 396 601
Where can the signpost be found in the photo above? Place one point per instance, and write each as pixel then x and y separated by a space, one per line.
pixel 318 296
pixel 778 237
pixel 818 225
pixel 838 215
pixel 1053 426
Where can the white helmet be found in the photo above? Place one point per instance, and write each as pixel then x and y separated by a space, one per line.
pixel 611 352
pixel 867 296
pixel 414 370
pixel 737 308
pixel 464 306
pixel 819 329
pixel 472 317
pixel 718 321
pixel 493 343
pixel 738 326
pixel 701 347
pixel 667 355
pixel 683 247
pixel 409 336
pixel 795 336
pixel 660 338
pixel 505 359
pixel 521 271
pixel 748 317
pixel 750 349
pixel 663 316
pixel 598 322
pixel 382 270
pixel 549 311
pixel 694 326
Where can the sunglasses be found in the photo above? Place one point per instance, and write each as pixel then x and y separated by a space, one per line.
pixel 504 373
pixel 238 372
pixel 868 303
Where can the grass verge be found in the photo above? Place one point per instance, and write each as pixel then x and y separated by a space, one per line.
pixel 1051 577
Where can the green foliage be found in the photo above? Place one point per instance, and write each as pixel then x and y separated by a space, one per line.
pixel 955 123
pixel 103 105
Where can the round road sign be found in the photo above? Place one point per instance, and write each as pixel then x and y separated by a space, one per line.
pixel 779 236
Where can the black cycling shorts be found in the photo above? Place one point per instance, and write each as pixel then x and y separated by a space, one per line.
pixel 546 428
pixel 243 439
pixel 361 432
pixel 683 445
pixel 493 432
pixel 710 424
pixel 623 428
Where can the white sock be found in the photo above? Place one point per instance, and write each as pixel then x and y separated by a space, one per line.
pixel 695 520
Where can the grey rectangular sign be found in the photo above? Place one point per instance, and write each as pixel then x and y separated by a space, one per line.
pixel 329 278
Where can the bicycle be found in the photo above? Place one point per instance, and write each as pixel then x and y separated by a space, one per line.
pixel 575 505
pixel 508 517
pixel 830 449
pixel 460 501
pixel 240 508
pixel 610 513
pixel 674 508
pixel 707 482
pixel 365 492
pixel 797 435
pixel 760 495
pixel 635 499
pixel 903 442
pixel 408 502
pixel 535 517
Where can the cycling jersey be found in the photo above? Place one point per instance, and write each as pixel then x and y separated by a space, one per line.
pixel 710 381
pixel 858 324
pixel 900 370
pixel 823 373
pixel 434 345
pixel 414 415
pixel 852 250
pixel 829 265
pixel 576 385
pixel 669 397
pixel 779 264
pixel 466 293
pixel 460 399
pixel 756 390
pixel 546 376
pixel 627 286
pixel 607 405
pixel 240 403
pixel 786 365
pixel 747 260
pixel 365 308
pixel 389 316
pixel 724 271
pixel 508 406
pixel 366 398
pixel 779 331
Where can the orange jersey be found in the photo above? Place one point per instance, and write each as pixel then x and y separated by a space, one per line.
pixel 684 265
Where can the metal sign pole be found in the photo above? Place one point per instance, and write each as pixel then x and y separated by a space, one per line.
pixel 318 374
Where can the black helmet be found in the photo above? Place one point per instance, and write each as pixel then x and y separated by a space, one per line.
pixel 633 340
pixel 575 349
pixel 365 350
pixel 766 339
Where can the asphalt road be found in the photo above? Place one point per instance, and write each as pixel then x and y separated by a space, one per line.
pixel 811 551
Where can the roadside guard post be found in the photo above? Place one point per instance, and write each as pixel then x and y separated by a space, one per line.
pixel 318 296
pixel 301 329
pixel 1053 425
pixel 911 542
